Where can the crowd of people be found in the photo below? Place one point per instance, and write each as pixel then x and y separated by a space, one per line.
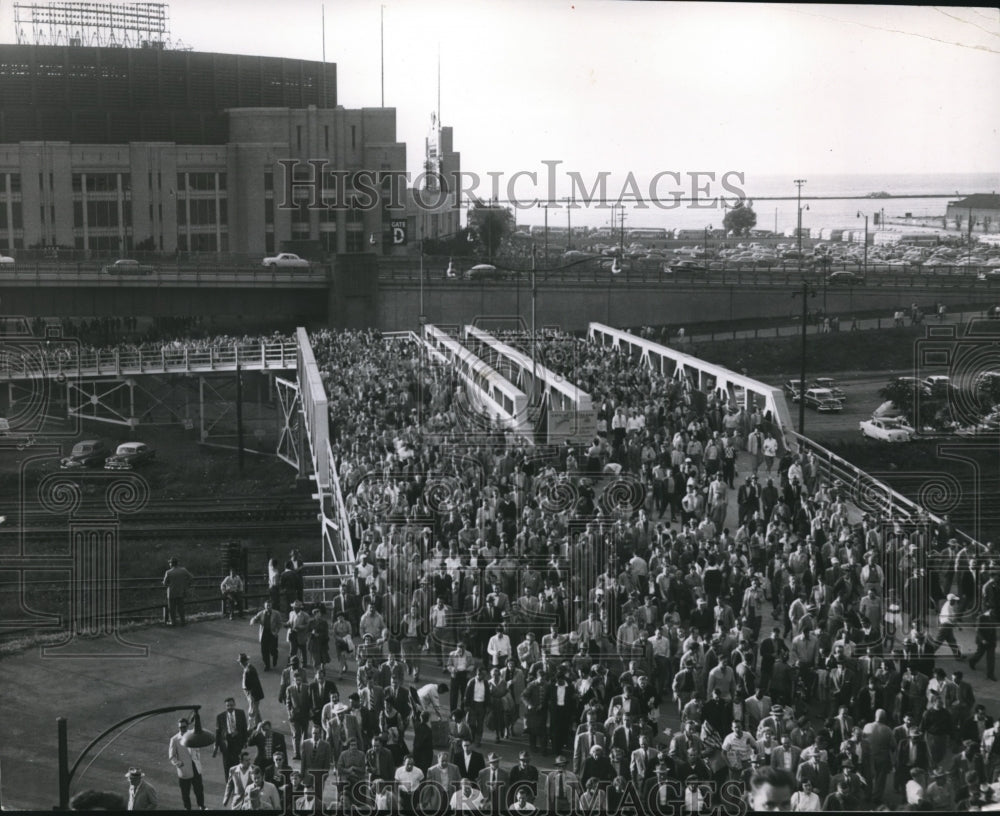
pixel 638 629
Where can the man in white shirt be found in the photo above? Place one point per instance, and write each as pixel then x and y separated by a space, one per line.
pixel 430 698
pixel 738 746
pixel 458 668
pixel 806 800
pixel 499 647
pixel 187 762
pixel 408 777
pixel 232 593
pixel 467 797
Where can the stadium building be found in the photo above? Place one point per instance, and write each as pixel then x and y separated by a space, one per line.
pixel 110 151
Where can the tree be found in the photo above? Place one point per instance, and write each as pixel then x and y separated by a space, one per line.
pixel 901 393
pixel 740 219
pixel 491 224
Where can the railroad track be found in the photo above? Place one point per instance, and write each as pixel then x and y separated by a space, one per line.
pixel 205 519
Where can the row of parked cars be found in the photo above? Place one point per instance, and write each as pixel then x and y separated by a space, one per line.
pixel 822 394
pixel 92 453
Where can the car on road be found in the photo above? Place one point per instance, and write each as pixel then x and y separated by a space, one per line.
pixel 687 266
pixel 831 385
pixel 287 260
pixel 886 429
pixel 484 272
pixel 129 454
pixel 844 276
pixel 87 453
pixel 6 260
pixel 822 400
pixel 127 266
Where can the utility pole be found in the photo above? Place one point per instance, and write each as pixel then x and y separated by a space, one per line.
pixel 239 418
pixel 569 227
pixel 798 230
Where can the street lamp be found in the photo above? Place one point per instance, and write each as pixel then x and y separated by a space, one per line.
pixel 865 256
pixel 196 738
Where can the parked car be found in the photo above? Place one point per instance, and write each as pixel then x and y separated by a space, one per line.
pixel 6 260
pixel 87 453
pixel 287 260
pixel 127 266
pixel 687 266
pixel 822 400
pixel 830 385
pixel 928 384
pixel 886 429
pixel 128 455
pixel 843 276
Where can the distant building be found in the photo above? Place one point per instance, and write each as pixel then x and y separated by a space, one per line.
pixel 982 208
pixel 113 150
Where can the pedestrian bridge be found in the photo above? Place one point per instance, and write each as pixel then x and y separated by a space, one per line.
pixel 32 359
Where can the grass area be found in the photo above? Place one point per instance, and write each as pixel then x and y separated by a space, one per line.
pixel 837 352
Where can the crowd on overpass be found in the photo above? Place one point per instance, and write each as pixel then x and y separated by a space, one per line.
pixel 639 628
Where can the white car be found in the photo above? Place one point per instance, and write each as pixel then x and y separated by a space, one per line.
pixel 287 260
pixel 6 260
pixel 886 429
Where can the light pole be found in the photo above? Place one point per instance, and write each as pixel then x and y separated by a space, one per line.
pixel 196 738
pixel 798 230
pixel 806 293
pixel 865 254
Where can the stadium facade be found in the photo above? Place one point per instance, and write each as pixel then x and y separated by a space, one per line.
pixel 114 150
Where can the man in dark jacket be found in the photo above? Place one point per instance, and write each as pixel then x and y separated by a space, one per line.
pixel 252 689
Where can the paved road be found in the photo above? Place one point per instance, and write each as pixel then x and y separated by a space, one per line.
pixel 193 665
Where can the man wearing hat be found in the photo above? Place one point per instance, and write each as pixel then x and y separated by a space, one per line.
pixel 141 795
pixel 253 690
pixel 524 775
pixel 493 781
pixel 562 788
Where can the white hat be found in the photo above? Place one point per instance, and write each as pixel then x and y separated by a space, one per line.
pixel 953 597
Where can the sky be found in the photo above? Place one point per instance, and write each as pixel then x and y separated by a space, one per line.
pixel 648 87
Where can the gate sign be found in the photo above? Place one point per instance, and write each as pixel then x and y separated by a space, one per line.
pixel 398 232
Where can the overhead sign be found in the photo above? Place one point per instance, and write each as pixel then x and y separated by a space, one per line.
pixel 398 232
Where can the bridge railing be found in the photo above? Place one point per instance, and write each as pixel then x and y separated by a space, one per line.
pixel 71 359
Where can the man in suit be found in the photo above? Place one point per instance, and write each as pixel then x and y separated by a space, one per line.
pixel 841 727
pixel 626 736
pixel 266 740
pixel 270 625
pixel 317 755
pixel 492 783
pixel 562 789
pixel 562 711
pixel 469 762
pixel 177 580
pixel 299 707
pixel 399 696
pixel 786 756
pixel 522 775
pixel 320 690
pixel 586 740
pixel 642 762
pixel 252 689
pixel 141 795
pixel 446 774
pixel 231 733
pixel 911 752
pixel 660 791
pixel 187 763
pixel 371 700
pixel 239 779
